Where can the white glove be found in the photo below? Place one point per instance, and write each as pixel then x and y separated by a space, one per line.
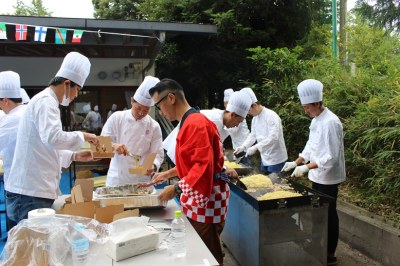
pixel 289 166
pixel 239 150
pixel 300 171
pixel 250 151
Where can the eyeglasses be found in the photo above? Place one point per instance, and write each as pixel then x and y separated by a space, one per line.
pixel 157 104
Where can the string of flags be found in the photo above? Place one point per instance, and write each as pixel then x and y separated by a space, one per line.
pixel 60 35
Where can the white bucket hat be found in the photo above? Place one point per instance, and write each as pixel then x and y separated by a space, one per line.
pixel 310 91
pixel 239 103
pixel 75 67
pixel 10 85
pixel 142 94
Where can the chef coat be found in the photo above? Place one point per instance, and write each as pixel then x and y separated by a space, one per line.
pixel 91 121
pixel 170 142
pixel 325 147
pixel 266 129
pixel 141 137
pixel 216 116
pixel 1 113
pixel 40 150
pixel 8 137
pixel 239 134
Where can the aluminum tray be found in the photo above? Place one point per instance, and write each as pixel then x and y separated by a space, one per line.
pixel 127 190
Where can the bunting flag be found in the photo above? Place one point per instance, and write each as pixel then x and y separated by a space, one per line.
pixel 40 33
pixel 76 38
pixel 61 34
pixel 21 30
pixel 3 31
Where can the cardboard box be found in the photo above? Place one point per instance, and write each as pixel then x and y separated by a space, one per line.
pixel 82 204
pixel 147 164
pixel 104 150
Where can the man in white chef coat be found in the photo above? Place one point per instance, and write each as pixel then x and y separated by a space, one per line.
pixel 266 130
pixel 11 103
pixel 239 133
pixel 42 147
pixel 323 155
pixel 134 132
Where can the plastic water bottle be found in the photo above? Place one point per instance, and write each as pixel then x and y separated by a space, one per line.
pixel 178 230
pixel 79 246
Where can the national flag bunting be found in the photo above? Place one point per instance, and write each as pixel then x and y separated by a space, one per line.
pixel 40 33
pixel 3 31
pixel 61 35
pixel 21 30
pixel 76 38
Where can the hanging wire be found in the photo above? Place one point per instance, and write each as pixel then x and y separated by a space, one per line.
pixel 98 32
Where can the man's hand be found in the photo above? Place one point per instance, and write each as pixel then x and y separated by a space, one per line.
pixel 152 170
pixel 299 171
pixel 289 166
pixel 159 178
pixel 120 149
pixel 250 151
pixel 91 138
pixel 168 193
pixel 83 156
pixel 231 172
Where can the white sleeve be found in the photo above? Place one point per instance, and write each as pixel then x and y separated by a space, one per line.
pixel 47 120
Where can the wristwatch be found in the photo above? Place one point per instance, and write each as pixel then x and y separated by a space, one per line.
pixel 178 190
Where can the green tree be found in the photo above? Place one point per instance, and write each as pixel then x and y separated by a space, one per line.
pixel 117 9
pixel 208 65
pixel 35 9
pixel 381 13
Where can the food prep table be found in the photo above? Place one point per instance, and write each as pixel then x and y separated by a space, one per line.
pixel 290 231
pixel 197 252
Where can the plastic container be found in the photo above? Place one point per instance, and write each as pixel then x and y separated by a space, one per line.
pixel 79 246
pixel 178 232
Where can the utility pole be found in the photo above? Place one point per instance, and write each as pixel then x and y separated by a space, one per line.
pixel 342 32
pixel 334 30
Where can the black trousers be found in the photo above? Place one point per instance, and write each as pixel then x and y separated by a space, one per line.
pixel 333 219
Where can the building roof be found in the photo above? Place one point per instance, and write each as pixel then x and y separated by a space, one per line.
pixel 101 38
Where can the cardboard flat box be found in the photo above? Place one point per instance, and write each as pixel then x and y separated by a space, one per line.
pixel 81 203
pixel 104 150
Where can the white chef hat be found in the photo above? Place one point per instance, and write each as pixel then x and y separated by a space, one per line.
pixel 239 103
pixel 142 95
pixel 227 94
pixel 10 85
pixel 96 108
pixel 75 67
pixel 310 91
pixel 250 92
pixel 24 96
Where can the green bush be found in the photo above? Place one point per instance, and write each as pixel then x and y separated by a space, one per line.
pixel 368 103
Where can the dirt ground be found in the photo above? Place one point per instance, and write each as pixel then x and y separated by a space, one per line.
pixel 346 256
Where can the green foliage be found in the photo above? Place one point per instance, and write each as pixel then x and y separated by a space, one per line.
pixel 117 9
pixel 36 9
pixel 368 103
pixel 382 13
